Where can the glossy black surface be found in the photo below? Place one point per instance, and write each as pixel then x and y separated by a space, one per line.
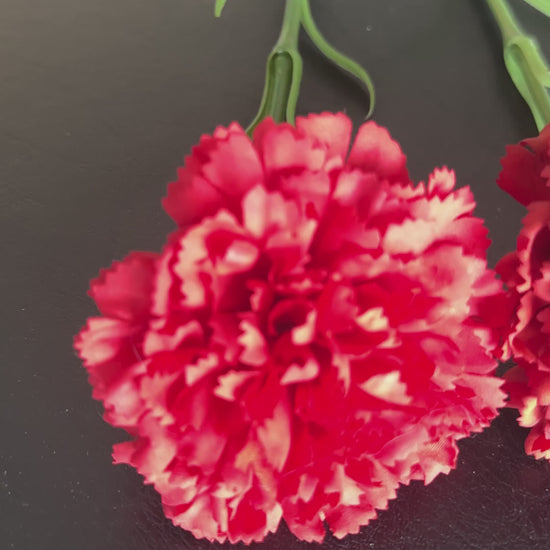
pixel 99 101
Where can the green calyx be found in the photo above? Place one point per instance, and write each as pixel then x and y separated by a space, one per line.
pixel 524 61
pixel 283 74
pixel 284 66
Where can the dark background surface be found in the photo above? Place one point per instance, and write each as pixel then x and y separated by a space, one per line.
pixel 99 101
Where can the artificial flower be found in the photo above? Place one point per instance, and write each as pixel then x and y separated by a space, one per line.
pixel 317 331
pixel 526 272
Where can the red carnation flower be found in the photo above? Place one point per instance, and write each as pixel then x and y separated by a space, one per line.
pixel 316 332
pixel 526 272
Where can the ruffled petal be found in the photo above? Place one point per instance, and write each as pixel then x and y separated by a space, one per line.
pixel 208 182
pixel 523 167
pixel 124 290
pixel 332 130
pixel 283 148
pixel 375 151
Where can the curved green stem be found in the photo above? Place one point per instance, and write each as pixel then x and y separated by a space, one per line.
pixel 335 56
pixel 283 72
pixel 524 62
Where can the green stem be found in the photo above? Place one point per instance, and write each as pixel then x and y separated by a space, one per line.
pixel 219 7
pixel 292 19
pixel 335 56
pixel 524 62
pixel 542 5
pixel 283 71
pixel 505 19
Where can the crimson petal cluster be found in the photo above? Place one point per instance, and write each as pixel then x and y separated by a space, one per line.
pixel 316 332
pixel 526 271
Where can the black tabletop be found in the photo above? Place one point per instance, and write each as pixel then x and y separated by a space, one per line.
pixel 99 102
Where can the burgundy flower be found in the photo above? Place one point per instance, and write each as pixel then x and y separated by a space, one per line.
pixel 316 332
pixel 526 272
